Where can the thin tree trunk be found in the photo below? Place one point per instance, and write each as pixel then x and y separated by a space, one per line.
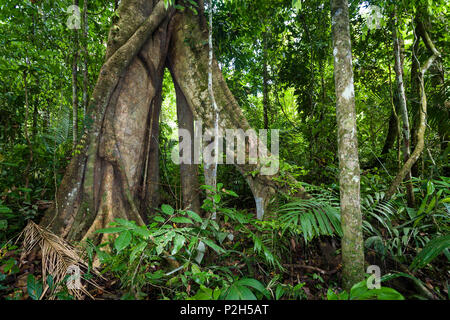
pixel 349 177
pixel 311 62
pixel 391 134
pixel 394 129
pixel 34 128
pixel 415 94
pixel 85 58
pixel 75 85
pixel 35 120
pixel 403 111
pixel 46 115
pixel 265 85
pixel 422 110
pixel 27 136
pixel 210 167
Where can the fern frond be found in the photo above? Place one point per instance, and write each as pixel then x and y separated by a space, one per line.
pixel 310 217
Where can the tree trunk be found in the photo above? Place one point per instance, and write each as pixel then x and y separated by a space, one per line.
pixel 27 135
pixel 35 119
pixel 392 132
pixel 189 55
pixel 75 85
pixel 105 181
pixel 265 85
pixel 85 58
pixel 210 167
pixel 349 176
pixel 394 125
pixel 114 174
pixel 422 111
pixel 415 94
pixel 403 112
pixel 188 171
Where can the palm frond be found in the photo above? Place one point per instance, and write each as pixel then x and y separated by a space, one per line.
pixel 431 250
pixel 57 256
pixel 379 209
pixel 311 217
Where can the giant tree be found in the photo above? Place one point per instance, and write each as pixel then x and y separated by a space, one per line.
pixel 111 177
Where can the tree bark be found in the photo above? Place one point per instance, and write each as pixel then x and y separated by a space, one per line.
pixel 391 134
pixel 349 176
pixel 403 112
pixel 189 55
pixel 27 135
pixel 105 180
pixel 415 94
pixel 85 23
pixel 75 85
pixel 265 84
pixel 210 167
pixel 188 171
pixel 422 120
pixel 151 187
pixel 394 125
pixel 114 174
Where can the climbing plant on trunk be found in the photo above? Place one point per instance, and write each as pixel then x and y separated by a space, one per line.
pixel 403 109
pixel 403 172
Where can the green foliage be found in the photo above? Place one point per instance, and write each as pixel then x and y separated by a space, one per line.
pixel 165 254
pixel 34 287
pixel 312 218
pixel 393 228
pixel 431 250
pixel 286 291
pixel 240 290
pixel 35 41
pixel 360 291
pixel 291 40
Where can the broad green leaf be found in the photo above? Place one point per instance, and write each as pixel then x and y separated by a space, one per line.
pixel 142 231
pixel 111 230
pixel 34 287
pixel 213 246
pixel 255 284
pixel 123 240
pixel 167 209
pixel 178 243
pixel 216 198
pixel 194 216
pixel 181 220
pixel 430 188
pixel 237 292
pixel 139 248
pixel 159 219
pixel 126 223
pixel 4 209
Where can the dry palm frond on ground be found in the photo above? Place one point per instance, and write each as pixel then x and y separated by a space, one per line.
pixel 58 257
